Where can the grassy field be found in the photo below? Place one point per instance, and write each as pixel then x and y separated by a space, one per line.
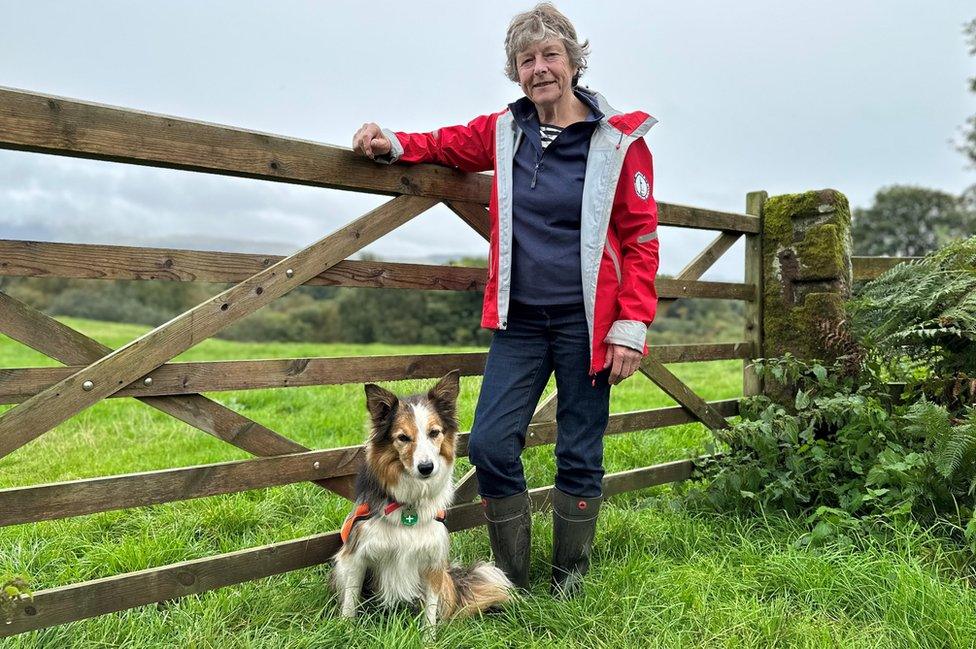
pixel 662 576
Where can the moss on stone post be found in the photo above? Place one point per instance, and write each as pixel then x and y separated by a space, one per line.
pixel 806 273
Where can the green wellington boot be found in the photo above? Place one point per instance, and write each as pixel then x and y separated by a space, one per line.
pixel 509 530
pixel 573 529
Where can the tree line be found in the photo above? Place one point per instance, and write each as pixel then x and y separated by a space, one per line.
pixel 336 314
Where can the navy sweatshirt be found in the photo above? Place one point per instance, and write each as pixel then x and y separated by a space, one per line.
pixel 547 195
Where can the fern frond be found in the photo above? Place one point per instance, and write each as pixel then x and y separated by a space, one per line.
pixel 921 305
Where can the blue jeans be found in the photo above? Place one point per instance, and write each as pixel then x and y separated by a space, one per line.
pixel 538 341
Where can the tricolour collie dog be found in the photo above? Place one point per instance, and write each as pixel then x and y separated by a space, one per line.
pixel 396 534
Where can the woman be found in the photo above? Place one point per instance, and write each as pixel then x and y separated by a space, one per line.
pixel 571 269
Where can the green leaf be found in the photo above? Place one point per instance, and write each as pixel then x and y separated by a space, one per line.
pixel 802 400
pixel 820 372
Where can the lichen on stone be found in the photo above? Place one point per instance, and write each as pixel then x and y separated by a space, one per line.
pixel 806 269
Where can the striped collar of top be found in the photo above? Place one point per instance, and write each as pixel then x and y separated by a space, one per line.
pixel 525 113
pixel 548 133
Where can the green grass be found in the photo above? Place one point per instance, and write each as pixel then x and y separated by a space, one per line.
pixel 662 576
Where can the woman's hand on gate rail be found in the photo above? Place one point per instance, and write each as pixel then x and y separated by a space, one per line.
pixel 622 361
pixel 369 141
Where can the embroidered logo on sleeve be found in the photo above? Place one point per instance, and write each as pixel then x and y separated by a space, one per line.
pixel 641 186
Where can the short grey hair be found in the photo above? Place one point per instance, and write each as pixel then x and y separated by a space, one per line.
pixel 541 23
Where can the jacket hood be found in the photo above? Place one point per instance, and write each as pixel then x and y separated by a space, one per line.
pixel 634 124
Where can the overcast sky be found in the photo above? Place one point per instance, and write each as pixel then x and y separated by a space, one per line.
pixel 775 95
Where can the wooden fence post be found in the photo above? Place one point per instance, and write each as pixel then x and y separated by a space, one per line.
pixel 752 384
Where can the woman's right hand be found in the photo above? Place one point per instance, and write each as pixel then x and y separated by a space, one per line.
pixel 369 141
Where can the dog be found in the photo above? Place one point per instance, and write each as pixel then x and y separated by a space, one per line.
pixel 396 539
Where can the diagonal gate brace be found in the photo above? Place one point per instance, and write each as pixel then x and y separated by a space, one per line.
pixel 62 343
pixel 117 369
pixel 677 390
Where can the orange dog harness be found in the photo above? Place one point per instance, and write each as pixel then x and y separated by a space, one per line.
pixel 363 512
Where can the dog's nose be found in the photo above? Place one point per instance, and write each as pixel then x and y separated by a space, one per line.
pixel 425 468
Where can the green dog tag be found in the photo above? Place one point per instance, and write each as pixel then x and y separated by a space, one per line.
pixel 409 517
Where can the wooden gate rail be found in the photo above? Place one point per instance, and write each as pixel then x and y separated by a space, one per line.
pixel 93 495
pixel 699 218
pixel 50 124
pixel 19 384
pixel 65 604
pixel 866 268
pixel 217 376
pixel 87 261
pixel 61 126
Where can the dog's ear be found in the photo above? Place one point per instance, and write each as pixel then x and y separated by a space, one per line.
pixel 445 393
pixel 380 402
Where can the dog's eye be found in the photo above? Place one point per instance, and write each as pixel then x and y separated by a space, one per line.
pixel 434 432
pixel 403 438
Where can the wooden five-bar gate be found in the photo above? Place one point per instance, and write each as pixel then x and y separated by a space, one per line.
pixel 47 396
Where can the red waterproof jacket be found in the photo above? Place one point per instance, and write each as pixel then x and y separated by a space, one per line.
pixel 618 230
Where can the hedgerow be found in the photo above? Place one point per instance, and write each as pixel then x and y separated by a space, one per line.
pixel 887 431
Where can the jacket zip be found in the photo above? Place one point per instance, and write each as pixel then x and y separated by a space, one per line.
pixel 538 162
pixel 535 172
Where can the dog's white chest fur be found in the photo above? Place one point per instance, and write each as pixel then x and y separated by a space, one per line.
pixel 399 555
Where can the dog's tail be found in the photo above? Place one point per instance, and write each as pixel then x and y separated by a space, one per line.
pixel 469 590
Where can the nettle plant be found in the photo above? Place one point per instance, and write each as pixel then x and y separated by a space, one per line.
pixel 851 447
pixel 844 450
